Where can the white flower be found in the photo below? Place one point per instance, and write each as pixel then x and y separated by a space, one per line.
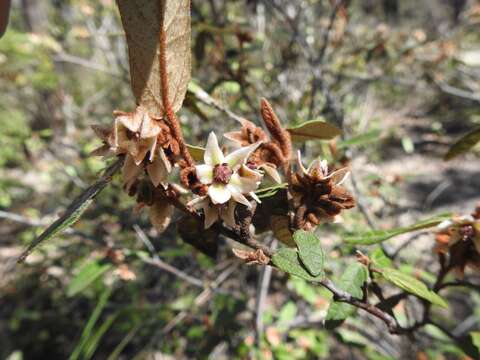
pixel 319 169
pixel 227 176
pixel 228 180
pixel 225 212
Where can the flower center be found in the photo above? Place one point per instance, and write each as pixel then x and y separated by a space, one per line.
pixel 222 174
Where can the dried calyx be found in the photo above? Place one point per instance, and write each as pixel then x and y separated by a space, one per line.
pixel 459 238
pixel 318 195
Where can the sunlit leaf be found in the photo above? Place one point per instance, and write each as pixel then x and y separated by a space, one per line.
pixel 287 259
pixel 352 281
pixel 379 259
pixel 314 130
pixel 463 144
pixel 158 37
pixel 196 152
pixel 377 236
pixel 475 335
pixel 359 140
pixel 310 251
pixel 412 285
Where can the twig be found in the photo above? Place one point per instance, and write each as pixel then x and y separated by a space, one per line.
pixel 262 292
pixel 202 96
pixel 76 206
pixel 157 262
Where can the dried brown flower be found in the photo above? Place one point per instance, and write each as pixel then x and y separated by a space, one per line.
pixel 318 195
pixel 145 142
pixel 459 237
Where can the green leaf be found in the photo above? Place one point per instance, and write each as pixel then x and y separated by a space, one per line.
pixel 92 344
pixel 412 285
pixel 88 273
pixel 75 209
pixel 352 281
pixel 286 259
pixel 196 152
pixel 270 191
pixel 359 140
pixel 310 251
pixel 87 330
pixel 475 335
pixel 463 144
pixel 378 236
pixel 314 130
pixel 379 258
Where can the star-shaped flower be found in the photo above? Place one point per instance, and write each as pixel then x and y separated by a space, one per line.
pixel 228 180
pixel 227 176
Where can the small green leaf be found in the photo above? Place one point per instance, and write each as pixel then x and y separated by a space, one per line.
pixel 359 140
pixel 92 320
pixel 378 236
pixel 270 191
pixel 286 259
pixel 352 281
pixel 310 251
pixel 412 285
pixel 463 144
pixel 89 272
pixel 314 130
pixel 196 152
pixel 475 335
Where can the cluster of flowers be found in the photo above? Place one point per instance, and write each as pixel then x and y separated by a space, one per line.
pixel 224 181
pixel 459 238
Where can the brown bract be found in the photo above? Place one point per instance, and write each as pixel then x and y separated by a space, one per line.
pixel 275 151
pixel 318 195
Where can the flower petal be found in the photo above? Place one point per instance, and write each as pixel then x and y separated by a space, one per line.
pixel 255 197
pixel 198 203
pixel 239 157
pixel 228 215
pixel 157 171
pixel 149 127
pixel 238 197
pixel 130 171
pixel 242 185
pixel 246 172
pixel 219 193
pixel 272 172
pixel 204 173
pixel 213 154
pixel 339 176
pixel 300 164
pixel 211 215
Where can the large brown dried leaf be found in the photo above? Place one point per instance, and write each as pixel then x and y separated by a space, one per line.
pixel 143 22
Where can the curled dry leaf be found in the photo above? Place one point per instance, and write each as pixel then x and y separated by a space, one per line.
pixel 161 215
pixel 252 257
pixel 158 37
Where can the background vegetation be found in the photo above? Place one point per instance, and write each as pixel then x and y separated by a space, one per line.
pixel 401 78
